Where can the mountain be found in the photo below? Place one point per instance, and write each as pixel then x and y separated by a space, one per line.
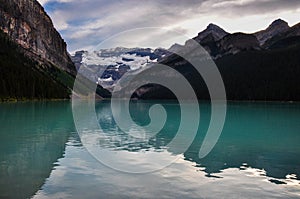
pixel 261 66
pixel 27 24
pixel 109 65
pixel 217 42
pixel 212 30
pixel 251 69
pixel 277 27
pixel 237 42
pixel 175 47
pixel 33 54
pixel 208 38
pixel 290 35
pixel 293 31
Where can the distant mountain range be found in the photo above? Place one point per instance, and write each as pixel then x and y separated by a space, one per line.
pixel 218 42
pixel 264 65
pixel 261 66
pixel 109 65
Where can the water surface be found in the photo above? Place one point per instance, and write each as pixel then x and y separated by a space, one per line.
pixel 257 154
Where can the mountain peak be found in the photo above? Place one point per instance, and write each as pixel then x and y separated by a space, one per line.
pixel 212 26
pixel 214 30
pixel 276 27
pixel 279 22
pixel 175 47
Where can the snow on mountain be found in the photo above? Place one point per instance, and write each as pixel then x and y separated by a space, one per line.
pixel 109 65
pixel 132 60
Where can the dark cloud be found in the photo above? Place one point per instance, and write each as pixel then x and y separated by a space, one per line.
pixel 234 8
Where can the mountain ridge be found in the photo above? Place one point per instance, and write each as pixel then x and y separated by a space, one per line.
pixel 250 71
pixel 34 61
pixel 276 27
pixel 27 24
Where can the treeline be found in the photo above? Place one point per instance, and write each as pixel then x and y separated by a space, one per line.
pixel 263 75
pixel 267 75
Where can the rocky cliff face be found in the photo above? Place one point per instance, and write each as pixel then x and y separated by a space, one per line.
pixel 27 24
pixel 211 34
pixel 277 27
pixel 237 42
pixel 215 31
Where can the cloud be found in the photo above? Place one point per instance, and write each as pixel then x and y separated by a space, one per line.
pixel 43 2
pixel 88 22
pixel 252 7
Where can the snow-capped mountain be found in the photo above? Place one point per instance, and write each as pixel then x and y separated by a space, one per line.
pixel 109 65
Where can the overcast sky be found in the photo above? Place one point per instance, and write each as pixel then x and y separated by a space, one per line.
pixel 86 23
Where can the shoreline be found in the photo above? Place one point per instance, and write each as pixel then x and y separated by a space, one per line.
pixel 13 100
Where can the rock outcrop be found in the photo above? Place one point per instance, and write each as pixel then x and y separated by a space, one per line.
pixel 215 31
pixel 34 61
pixel 277 27
pixel 237 42
pixel 27 24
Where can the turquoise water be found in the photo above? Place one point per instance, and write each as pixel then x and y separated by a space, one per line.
pixel 257 154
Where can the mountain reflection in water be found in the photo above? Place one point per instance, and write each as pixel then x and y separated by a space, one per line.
pixel 256 154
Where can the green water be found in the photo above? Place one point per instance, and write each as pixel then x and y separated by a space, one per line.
pixel 257 154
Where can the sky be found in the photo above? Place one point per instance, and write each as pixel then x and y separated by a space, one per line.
pixel 94 24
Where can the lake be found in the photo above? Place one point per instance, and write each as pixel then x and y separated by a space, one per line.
pixel 41 156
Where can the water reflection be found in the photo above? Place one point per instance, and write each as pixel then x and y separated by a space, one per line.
pixel 32 138
pixel 264 136
pixel 256 135
pixel 256 155
pixel 120 140
pixel 79 175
